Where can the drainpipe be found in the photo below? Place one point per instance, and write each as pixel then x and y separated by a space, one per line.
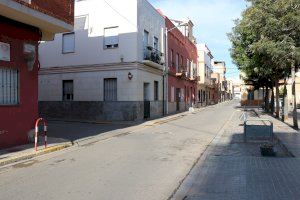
pixel 165 75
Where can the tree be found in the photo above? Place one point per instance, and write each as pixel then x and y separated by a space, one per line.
pixel 267 39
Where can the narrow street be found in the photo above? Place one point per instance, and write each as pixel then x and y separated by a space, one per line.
pixel 145 164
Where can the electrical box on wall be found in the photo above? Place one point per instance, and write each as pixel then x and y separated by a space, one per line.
pixel 30 55
pixel 4 51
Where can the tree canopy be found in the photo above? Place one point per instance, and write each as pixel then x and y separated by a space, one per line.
pixel 266 40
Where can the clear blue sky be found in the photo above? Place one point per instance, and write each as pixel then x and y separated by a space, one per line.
pixel 213 19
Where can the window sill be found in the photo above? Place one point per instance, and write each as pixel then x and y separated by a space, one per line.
pixel 68 52
pixel 110 48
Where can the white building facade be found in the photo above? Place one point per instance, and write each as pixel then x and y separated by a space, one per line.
pixel 205 66
pixel 109 68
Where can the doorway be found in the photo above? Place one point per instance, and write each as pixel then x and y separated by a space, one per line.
pixel 146 100
pixel 178 99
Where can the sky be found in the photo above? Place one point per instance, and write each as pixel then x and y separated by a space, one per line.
pixel 213 19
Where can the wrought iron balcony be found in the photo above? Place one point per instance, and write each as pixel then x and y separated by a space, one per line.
pixel 153 55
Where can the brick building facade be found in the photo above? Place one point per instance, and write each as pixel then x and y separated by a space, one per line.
pixel 182 65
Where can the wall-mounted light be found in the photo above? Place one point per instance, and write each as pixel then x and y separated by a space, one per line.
pixel 30 55
pixel 130 76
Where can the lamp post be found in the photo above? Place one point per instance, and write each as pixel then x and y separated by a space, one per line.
pixel 166 68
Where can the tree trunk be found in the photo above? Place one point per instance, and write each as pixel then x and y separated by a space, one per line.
pixel 272 101
pixel 285 103
pixel 277 98
pixel 267 105
pixel 264 104
pixel 295 114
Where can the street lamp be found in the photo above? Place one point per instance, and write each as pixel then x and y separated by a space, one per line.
pixel 166 67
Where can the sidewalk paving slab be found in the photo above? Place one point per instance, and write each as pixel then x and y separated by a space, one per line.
pixel 233 169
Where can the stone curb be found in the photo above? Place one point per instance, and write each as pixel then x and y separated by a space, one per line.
pixel 34 154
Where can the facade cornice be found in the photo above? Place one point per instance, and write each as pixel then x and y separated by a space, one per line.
pixel 99 67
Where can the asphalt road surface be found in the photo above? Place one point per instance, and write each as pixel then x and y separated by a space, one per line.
pixel 145 164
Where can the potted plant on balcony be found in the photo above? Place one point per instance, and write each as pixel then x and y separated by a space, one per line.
pixel 267 149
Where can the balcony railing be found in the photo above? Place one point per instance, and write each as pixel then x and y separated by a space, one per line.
pixel 181 72
pixel 153 55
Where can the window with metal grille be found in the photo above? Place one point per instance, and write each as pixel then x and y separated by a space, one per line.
pixel 9 86
pixel 155 90
pixel 110 89
pixel 68 90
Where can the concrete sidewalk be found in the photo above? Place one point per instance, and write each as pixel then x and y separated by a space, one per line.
pixel 232 169
pixel 24 152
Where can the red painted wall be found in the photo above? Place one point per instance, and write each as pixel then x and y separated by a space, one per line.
pixel 61 9
pixel 17 120
pixel 185 48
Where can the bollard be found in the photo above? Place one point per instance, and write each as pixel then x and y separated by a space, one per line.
pixel 37 131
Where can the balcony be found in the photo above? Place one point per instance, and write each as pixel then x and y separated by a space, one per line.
pixel 193 78
pixel 50 16
pixel 153 57
pixel 181 72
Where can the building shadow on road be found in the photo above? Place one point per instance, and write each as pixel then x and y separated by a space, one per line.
pixel 74 131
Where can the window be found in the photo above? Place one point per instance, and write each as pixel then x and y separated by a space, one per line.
pixel 171 58
pixel 68 43
pixel 187 67
pixel 68 93
pixel 146 38
pixel 177 62
pixel 172 94
pixel 155 90
pixel 110 89
pixel 155 43
pixel 181 61
pixel 9 86
pixel 146 44
pixel 111 37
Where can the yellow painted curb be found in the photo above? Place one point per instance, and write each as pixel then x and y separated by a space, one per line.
pixel 34 154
